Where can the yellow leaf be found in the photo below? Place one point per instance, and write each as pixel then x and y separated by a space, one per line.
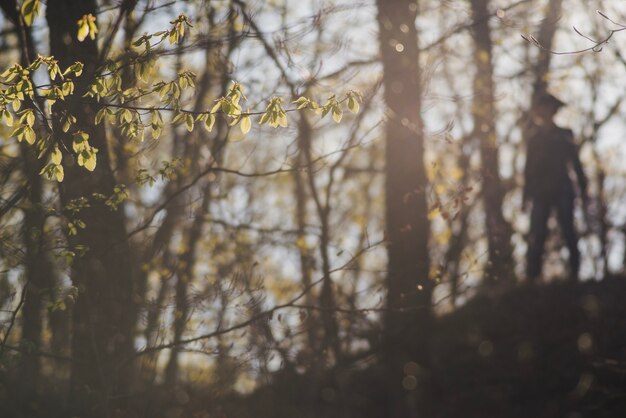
pixel 189 122
pixel 282 120
pixel 353 105
pixel 56 156
pixel 9 118
pixel 337 114
pixel 83 30
pixel 29 134
pixel 173 38
pixel 90 163
pixel 93 29
pixel 208 124
pixel 30 119
pixel 302 102
pixel 156 133
pixel 58 172
pixel 30 9
pixel 246 124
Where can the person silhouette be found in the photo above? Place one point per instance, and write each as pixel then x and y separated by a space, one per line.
pixel 550 159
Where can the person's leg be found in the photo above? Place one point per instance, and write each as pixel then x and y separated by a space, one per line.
pixel 565 213
pixel 537 238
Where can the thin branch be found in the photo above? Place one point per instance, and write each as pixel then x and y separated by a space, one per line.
pixel 265 314
pixel 13 318
pixel 596 47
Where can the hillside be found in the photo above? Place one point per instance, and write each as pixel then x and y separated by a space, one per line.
pixel 557 350
pixel 553 351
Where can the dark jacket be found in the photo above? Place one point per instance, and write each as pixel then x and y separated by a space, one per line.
pixel 550 156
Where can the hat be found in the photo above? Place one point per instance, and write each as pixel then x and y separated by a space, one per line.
pixel 549 99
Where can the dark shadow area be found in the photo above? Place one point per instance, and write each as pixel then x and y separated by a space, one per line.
pixel 557 350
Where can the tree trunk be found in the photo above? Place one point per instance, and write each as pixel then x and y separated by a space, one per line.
pixel 183 280
pixel 307 260
pixel 541 67
pixel 38 271
pixel 104 314
pixel 330 340
pixel 499 231
pixel 408 286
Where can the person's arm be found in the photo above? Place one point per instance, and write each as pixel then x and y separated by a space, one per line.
pixel 581 177
pixel 529 171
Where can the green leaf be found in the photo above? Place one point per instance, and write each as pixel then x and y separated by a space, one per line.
pixel 87 27
pixel 282 120
pixel 83 30
pixel 353 105
pixel 90 163
pixel 53 70
pixel 100 115
pixel 156 133
pixel 227 107
pixel 9 117
pixel 189 121
pixel 18 132
pixel 245 124
pixel 155 117
pixel 302 102
pixel 173 36
pixel 163 90
pixel 56 156
pixel 208 124
pixel 58 173
pixel 30 10
pixel 79 142
pixel 93 29
pixel 44 169
pixel 337 113
pixel 68 88
pixel 29 134
pixel 76 68
pixel 216 106
pixel 178 118
pixel 126 116
pixel 30 118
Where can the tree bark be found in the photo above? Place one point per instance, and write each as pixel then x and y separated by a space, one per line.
pixel 104 314
pixel 541 67
pixel 39 271
pixel 409 288
pixel 307 259
pixel 330 340
pixel 499 231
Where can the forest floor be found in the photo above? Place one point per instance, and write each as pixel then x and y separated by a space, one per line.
pixel 551 351
pixel 557 350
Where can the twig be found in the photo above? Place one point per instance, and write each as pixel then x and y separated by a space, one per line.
pixel 597 47
pixel 13 318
